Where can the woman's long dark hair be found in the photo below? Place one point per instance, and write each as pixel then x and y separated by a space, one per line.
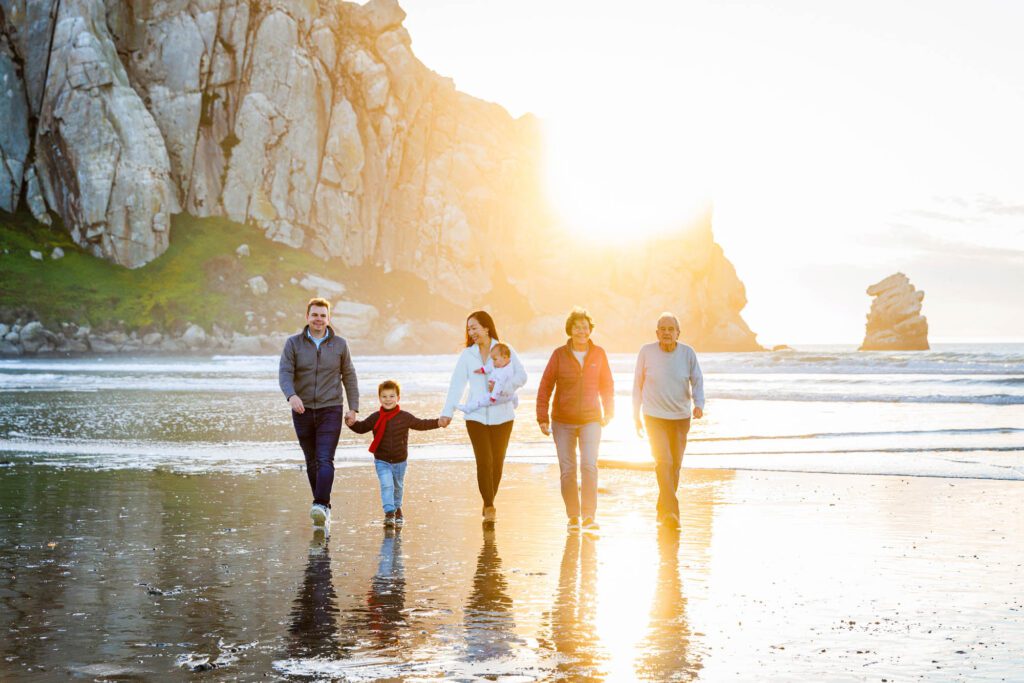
pixel 485 320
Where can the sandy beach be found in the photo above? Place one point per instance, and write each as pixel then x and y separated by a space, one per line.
pixel 774 577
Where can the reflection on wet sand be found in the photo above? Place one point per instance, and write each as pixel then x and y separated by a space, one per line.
pixel 134 576
pixel 328 642
pixel 665 652
pixel 376 622
pixel 313 627
pixel 385 602
pixel 569 630
pixel 488 619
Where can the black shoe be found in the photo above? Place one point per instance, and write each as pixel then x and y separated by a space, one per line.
pixel 399 517
pixel 389 519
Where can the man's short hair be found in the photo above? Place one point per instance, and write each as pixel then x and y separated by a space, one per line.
pixel 667 314
pixel 317 301
pixel 503 349
pixel 575 314
pixel 389 384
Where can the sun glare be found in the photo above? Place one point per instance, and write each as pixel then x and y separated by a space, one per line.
pixel 606 186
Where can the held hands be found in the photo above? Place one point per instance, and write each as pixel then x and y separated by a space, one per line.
pixel 296 403
pixel 545 428
pixel 444 421
pixel 350 418
pixel 698 413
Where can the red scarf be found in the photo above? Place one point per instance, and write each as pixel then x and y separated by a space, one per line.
pixel 382 422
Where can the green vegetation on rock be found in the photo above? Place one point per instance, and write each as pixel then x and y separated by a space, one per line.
pixel 199 279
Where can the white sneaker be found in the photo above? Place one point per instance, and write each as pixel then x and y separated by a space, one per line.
pixel 321 516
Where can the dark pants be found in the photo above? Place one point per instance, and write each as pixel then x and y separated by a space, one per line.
pixel 318 430
pixel 489 445
pixel 668 441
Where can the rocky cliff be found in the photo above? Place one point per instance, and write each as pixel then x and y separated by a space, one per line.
pixel 895 322
pixel 627 286
pixel 313 120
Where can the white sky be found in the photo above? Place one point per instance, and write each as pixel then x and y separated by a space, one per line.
pixel 840 141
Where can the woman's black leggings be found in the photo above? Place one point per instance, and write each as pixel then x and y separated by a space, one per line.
pixel 489 445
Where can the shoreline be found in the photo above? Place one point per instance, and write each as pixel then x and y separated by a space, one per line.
pixel 523 461
pixel 234 459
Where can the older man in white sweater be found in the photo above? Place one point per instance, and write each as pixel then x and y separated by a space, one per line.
pixel 668 389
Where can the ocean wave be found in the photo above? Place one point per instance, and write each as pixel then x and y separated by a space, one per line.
pixel 998 360
pixel 894 397
pixel 179 382
pixel 847 451
pixel 213 365
pixel 933 465
pixel 145 366
pixel 834 435
pixel 1008 381
pixel 247 459
pixel 812 387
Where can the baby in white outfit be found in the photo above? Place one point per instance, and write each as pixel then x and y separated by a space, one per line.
pixel 499 373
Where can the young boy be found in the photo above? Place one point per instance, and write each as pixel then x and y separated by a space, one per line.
pixel 390 447
pixel 500 373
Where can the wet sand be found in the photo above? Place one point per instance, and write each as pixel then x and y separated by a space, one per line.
pixel 134 575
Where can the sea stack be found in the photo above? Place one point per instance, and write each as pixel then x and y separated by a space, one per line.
pixel 895 322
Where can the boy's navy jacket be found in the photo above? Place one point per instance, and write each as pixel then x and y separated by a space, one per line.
pixel 394 445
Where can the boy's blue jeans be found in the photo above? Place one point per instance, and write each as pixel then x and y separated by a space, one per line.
pixel 392 483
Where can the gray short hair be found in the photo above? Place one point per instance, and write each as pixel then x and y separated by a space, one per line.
pixel 667 314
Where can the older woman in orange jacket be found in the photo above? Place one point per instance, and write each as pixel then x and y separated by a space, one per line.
pixel 584 401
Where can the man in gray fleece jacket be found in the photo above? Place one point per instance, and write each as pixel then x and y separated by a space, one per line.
pixel 315 364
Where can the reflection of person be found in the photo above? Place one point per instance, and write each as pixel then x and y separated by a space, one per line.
pixel 386 600
pixel 666 383
pixel 314 366
pixel 666 650
pixel 500 379
pixel 489 427
pixel 313 627
pixel 569 626
pixel 490 626
pixel 579 374
pixel 390 447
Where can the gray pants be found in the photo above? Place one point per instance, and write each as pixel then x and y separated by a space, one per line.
pixel 589 437
pixel 668 443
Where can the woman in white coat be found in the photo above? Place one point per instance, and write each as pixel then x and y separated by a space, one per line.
pixel 490 427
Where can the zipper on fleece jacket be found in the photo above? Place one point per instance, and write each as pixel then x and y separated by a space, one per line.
pixel 316 372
